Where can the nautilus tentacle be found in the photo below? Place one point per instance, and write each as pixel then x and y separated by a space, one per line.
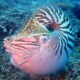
pixel 45 44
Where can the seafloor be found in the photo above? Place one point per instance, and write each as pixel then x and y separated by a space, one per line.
pixel 14 13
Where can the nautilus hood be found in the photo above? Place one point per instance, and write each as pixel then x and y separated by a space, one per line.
pixel 32 28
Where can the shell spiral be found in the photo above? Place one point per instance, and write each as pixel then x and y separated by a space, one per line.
pixel 54 54
pixel 61 41
pixel 57 22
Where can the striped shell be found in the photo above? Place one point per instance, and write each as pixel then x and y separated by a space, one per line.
pixel 53 51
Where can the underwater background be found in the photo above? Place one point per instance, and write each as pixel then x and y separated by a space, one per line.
pixel 14 13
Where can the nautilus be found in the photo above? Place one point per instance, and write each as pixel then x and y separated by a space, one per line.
pixel 45 44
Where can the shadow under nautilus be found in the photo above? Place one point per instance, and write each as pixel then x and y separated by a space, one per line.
pixel 45 43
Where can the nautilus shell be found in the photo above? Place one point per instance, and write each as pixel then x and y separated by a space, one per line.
pixel 36 49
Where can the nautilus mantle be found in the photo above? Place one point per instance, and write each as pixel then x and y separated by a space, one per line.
pixel 45 44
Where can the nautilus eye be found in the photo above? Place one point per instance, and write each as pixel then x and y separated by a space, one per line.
pixel 45 43
pixel 50 28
